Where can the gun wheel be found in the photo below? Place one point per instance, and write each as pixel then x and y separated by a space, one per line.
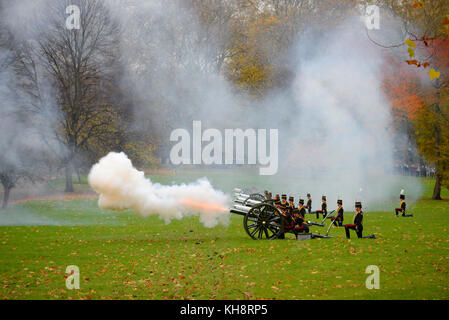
pixel 263 221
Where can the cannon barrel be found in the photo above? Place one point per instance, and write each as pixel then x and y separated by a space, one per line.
pixel 252 202
pixel 243 202
pixel 239 209
pixel 242 195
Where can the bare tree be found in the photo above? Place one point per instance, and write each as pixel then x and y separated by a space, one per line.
pixel 77 63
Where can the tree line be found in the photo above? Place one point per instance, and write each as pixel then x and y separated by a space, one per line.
pixel 64 103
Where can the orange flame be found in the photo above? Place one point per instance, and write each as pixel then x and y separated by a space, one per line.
pixel 204 205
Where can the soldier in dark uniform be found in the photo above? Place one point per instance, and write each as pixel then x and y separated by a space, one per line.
pixel 339 218
pixel 301 208
pixel 323 208
pixel 402 207
pixel 266 194
pixel 291 204
pixel 300 222
pixel 357 225
pixel 289 212
pixel 309 203
pixel 284 207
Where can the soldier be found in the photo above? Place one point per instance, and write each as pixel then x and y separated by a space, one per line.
pixel 283 205
pixel 357 225
pixel 266 194
pixel 339 218
pixel 323 208
pixel 300 222
pixel 402 207
pixel 301 208
pixel 284 208
pixel 291 204
pixel 309 203
pixel 277 201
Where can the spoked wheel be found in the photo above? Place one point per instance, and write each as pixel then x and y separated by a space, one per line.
pixel 254 196
pixel 263 221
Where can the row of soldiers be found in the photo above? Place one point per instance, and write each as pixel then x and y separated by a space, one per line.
pixel 295 217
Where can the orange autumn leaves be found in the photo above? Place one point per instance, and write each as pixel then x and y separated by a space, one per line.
pixel 427 42
pixel 406 103
pixel 411 52
pixel 402 90
pixel 418 4
pixel 406 90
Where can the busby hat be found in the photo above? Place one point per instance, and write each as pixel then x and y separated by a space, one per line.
pixel 291 199
pixel 358 204
pixel 339 201
pixel 308 194
pixel 284 197
pixel 323 197
pixel 301 201
pixel 402 196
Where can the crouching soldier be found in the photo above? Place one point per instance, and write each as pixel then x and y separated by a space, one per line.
pixel 323 208
pixel 299 218
pixel 339 218
pixel 357 225
pixel 402 207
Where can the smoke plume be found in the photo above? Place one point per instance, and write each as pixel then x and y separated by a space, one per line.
pixel 123 187
pixel 342 137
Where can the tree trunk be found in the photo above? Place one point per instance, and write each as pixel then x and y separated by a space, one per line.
pixel 5 198
pixel 437 189
pixel 68 178
pixel 438 176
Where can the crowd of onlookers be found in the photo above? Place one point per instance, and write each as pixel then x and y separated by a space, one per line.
pixel 413 170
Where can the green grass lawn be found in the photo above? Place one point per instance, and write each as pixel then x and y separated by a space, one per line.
pixel 124 256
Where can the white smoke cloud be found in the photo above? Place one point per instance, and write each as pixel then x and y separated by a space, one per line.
pixel 123 187
pixel 342 137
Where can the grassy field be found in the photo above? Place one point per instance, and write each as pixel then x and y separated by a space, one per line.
pixel 124 256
